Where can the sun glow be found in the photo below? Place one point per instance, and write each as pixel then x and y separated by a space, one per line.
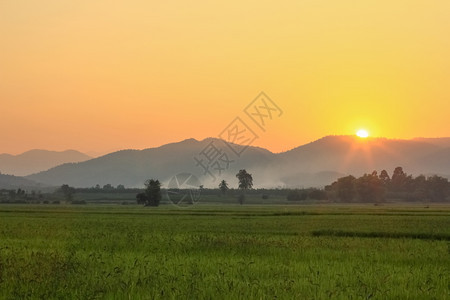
pixel 362 133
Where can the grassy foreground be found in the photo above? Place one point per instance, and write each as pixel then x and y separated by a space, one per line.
pixel 224 252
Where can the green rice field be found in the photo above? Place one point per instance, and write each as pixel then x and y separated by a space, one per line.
pixel 225 252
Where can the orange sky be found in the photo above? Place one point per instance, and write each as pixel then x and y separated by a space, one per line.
pixel 96 76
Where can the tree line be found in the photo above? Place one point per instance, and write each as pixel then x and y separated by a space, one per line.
pixel 152 196
pixel 378 188
pixel 372 188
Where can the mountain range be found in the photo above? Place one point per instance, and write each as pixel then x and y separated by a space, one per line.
pixel 315 164
pixel 11 182
pixel 34 161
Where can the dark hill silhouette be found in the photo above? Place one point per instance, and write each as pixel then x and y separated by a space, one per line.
pixel 15 182
pixel 353 155
pixel 133 167
pixel 314 164
pixel 34 161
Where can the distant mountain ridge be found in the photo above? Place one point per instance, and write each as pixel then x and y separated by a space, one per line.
pixel 34 161
pixel 133 167
pixel 11 182
pixel 314 164
pixel 444 141
pixel 352 155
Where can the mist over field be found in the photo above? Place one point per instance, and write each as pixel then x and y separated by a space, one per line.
pixel 312 165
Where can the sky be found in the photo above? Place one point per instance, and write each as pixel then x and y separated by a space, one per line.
pixel 99 76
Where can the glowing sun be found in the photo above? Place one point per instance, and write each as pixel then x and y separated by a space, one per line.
pixel 362 133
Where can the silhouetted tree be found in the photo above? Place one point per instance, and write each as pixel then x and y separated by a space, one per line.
pixel 153 192
pixel 223 186
pixel 384 177
pixel 419 189
pixel 346 188
pixel 245 183
pixel 108 187
pixel 437 188
pixel 370 188
pixel 141 198
pixel 398 180
pixel 67 191
pixel 245 180
pixel 21 193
